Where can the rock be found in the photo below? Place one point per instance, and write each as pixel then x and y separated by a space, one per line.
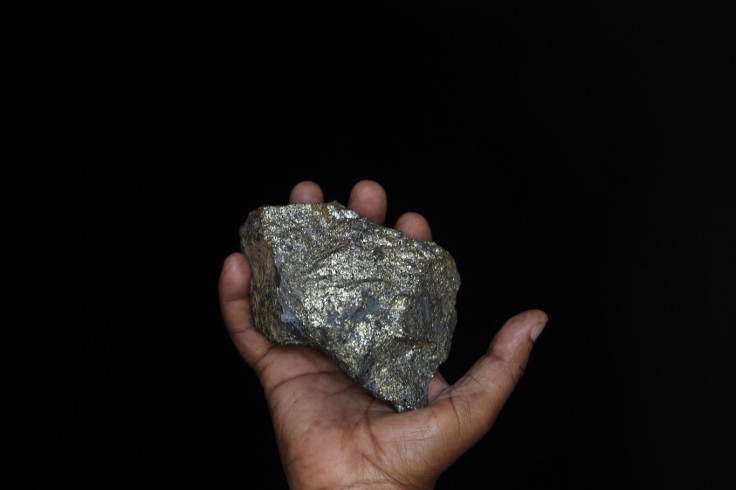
pixel 380 304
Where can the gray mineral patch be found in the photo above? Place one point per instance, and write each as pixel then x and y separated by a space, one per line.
pixel 380 304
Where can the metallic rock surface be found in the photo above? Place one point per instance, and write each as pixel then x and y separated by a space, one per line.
pixel 380 304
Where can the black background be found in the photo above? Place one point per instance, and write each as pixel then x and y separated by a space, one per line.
pixel 576 157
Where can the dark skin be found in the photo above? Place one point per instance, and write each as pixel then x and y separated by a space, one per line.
pixel 333 434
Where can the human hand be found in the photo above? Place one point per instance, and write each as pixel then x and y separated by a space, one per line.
pixel 331 433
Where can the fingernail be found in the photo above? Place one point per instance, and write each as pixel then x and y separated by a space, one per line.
pixel 536 331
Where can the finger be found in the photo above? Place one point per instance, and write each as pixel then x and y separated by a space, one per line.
pixel 306 191
pixel 414 225
pixel 437 385
pixel 467 410
pixel 368 198
pixel 235 307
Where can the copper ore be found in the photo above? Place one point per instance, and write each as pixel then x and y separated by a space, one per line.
pixel 381 305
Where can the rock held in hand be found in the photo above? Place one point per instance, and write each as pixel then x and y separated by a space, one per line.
pixel 381 305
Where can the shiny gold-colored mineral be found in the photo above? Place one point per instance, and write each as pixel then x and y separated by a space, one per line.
pixel 381 305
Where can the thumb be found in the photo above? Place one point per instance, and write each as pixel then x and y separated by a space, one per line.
pixel 467 410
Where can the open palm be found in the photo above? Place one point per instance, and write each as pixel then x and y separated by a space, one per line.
pixel 331 432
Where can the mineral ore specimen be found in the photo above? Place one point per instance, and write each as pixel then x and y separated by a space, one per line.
pixel 380 304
